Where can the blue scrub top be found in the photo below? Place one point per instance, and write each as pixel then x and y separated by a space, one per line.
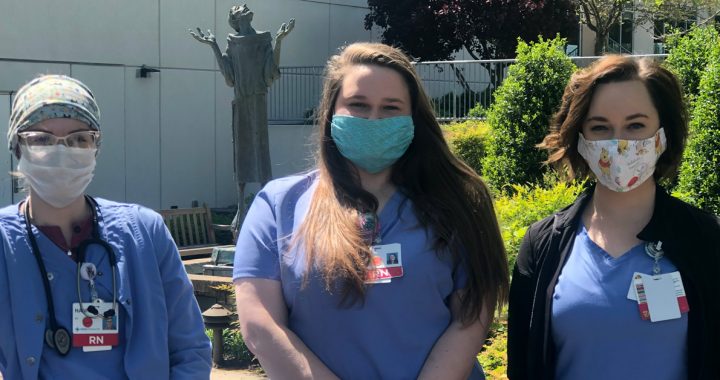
pixel 391 334
pixel 162 333
pixel 598 331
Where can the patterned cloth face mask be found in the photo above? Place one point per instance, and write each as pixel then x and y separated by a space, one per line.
pixel 372 145
pixel 623 165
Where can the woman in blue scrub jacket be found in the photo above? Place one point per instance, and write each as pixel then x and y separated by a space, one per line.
pixel 90 288
pixel 386 262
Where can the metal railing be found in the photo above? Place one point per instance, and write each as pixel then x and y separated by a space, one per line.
pixel 618 47
pixel 455 88
pixel 292 98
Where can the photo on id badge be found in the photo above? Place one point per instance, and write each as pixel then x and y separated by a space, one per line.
pixel 391 256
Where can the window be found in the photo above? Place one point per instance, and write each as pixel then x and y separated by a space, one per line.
pixel 572 48
pixel 620 39
pixel 664 27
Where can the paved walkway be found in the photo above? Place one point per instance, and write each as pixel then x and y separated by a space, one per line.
pixel 227 374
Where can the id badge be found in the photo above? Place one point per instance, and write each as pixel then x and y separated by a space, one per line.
pixel 377 273
pixel 391 256
pixel 91 330
pixel 659 297
pixel 387 264
pixel 677 284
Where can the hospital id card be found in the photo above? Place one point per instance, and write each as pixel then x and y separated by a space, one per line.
pixel 659 297
pixel 91 330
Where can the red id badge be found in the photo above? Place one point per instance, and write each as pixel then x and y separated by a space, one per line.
pixel 91 330
pixel 377 272
pixel 391 257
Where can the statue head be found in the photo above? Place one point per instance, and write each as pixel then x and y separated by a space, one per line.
pixel 240 17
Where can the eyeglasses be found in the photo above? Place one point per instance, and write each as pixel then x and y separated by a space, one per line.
pixel 79 139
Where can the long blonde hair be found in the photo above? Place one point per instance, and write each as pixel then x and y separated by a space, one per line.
pixel 447 195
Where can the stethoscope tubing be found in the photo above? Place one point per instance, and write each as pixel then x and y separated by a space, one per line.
pixel 43 272
pixel 54 325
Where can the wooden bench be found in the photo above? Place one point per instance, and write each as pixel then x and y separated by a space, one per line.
pixel 192 229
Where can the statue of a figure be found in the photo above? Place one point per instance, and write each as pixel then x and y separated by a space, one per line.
pixel 250 64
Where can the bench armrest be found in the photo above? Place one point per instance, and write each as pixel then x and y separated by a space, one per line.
pixel 222 227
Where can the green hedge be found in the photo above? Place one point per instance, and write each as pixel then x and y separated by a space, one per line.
pixel 528 205
pixel 689 56
pixel 478 111
pixel 521 113
pixel 699 181
pixel 515 214
pixel 467 141
pixel 493 357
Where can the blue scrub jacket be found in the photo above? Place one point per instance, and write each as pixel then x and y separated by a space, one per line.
pixel 164 333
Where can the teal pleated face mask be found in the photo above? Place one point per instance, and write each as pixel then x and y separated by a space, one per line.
pixel 372 145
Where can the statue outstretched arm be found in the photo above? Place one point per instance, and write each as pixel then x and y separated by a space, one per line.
pixel 223 60
pixel 284 30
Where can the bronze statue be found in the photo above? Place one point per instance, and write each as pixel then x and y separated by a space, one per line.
pixel 250 64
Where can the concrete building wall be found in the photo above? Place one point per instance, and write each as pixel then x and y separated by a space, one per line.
pixel 5 162
pixel 587 42
pixel 167 137
pixel 643 39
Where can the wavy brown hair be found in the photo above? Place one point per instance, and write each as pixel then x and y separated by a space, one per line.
pixel 447 195
pixel 666 95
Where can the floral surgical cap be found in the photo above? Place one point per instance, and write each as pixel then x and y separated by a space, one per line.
pixel 51 97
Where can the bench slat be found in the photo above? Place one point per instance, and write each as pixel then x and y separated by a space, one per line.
pixel 172 226
pixel 199 227
pixel 202 229
pixel 192 229
pixel 209 226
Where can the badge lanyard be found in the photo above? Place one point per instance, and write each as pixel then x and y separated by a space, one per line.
pixel 656 253
pixel 57 336
pixel 369 227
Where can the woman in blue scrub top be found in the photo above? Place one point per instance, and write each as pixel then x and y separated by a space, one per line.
pixel 90 288
pixel 623 283
pixel 386 262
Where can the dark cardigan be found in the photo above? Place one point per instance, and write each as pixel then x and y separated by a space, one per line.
pixel 691 240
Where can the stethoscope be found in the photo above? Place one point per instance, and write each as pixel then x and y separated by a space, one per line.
pixel 57 336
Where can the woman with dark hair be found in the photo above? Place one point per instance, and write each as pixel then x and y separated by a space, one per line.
pixel 318 295
pixel 621 284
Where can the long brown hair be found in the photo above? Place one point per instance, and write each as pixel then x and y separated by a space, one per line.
pixel 665 92
pixel 447 195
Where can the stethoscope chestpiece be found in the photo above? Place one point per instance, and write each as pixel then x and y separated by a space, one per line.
pixel 59 339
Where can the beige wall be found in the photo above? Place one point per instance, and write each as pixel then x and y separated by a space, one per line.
pixel 167 137
pixel 642 40
pixel 5 164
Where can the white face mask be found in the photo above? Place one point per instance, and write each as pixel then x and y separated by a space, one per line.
pixel 622 165
pixel 57 174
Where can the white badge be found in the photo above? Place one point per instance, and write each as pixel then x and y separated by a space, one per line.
pixel 91 331
pixel 657 296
